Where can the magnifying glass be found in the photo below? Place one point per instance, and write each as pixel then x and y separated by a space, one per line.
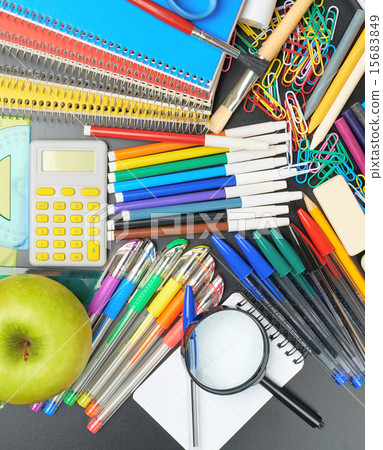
pixel 226 351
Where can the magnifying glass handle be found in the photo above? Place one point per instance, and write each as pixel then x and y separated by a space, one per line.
pixel 301 410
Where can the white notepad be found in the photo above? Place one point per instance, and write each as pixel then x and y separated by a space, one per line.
pixel 164 394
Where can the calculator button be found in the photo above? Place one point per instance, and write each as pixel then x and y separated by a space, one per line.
pixel 76 257
pixel 67 191
pixel 41 218
pixel 58 218
pixel 58 244
pixel 42 256
pixel 77 206
pixel 41 205
pixel 42 244
pixel 45 191
pixel 76 244
pixel 93 205
pixel 76 231
pixel 59 231
pixel 76 218
pixel 93 219
pixel 59 205
pixel 90 192
pixel 59 256
pixel 93 231
pixel 93 250
pixel 42 231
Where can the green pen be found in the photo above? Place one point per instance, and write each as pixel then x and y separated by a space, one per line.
pixel 149 285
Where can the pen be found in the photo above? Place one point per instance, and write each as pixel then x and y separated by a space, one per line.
pixel 213 205
pixel 124 290
pixel 208 140
pixel 204 217
pixel 151 283
pixel 197 271
pixel 238 168
pixel 323 281
pixel 150 361
pixel 112 276
pixel 144 342
pixel 351 272
pixel 246 276
pixel 222 192
pixel 335 343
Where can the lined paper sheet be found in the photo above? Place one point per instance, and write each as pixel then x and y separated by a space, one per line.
pixel 164 396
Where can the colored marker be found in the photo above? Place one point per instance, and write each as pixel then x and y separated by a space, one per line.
pixel 222 192
pixel 112 276
pixel 253 284
pixel 206 217
pixel 124 290
pixel 199 174
pixel 148 286
pixel 197 271
pixel 187 154
pixel 242 224
pixel 213 205
pixel 208 140
pixel 148 362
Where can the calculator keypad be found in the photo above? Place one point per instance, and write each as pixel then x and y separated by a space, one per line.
pixel 67 226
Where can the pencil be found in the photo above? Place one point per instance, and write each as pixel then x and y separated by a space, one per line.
pixel 340 251
pixel 338 82
pixel 338 104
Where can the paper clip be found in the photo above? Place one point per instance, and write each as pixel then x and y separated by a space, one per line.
pixel 334 10
pixel 266 83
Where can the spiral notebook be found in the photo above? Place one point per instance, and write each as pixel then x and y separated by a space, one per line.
pixel 123 40
pixel 163 395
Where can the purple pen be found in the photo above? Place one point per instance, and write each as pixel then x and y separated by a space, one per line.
pixel 112 275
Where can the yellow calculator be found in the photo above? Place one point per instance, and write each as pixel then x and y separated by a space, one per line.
pixel 68 203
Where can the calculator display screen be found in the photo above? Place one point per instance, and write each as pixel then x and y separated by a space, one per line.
pixel 68 161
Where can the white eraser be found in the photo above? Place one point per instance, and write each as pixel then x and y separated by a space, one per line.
pixel 257 13
pixel 343 212
pixel 87 130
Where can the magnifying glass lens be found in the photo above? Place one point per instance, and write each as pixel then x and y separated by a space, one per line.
pixel 226 350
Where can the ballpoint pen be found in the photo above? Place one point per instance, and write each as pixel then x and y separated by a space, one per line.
pixel 112 276
pixel 151 283
pixel 198 274
pixel 150 340
pixel 326 250
pixel 148 362
pixel 124 290
pixel 334 342
pixel 298 277
pixel 247 277
pixel 324 282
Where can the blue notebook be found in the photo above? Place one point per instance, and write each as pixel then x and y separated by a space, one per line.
pixel 123 28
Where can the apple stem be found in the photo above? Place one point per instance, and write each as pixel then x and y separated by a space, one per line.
pixel 26 354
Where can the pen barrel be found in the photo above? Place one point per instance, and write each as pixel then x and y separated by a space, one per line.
pixel 299 408
pixel 103 294
pixel 120 296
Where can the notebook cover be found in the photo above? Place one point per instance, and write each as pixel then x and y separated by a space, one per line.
pixel 181 55
pixel 163 395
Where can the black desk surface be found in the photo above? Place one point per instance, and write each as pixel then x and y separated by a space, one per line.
pixel 273 427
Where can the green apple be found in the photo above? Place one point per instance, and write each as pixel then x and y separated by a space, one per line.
pixel 45 338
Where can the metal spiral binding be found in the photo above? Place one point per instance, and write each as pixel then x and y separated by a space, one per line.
pixel 153 113
pixel 124 60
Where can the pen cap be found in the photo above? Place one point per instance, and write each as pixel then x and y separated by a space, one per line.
pixel 189 311
pixel 238 265
pixel 287 251
pixel 256 260
pixel 272 255
pixel 318 238
pixel 141 263
pixel 310 260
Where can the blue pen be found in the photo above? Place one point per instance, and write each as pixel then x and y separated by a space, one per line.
pixel 252 282
pixel 128 284
pixel 295 304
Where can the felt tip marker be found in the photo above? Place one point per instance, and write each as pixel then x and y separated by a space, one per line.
pixel 208 140
pixel 242 167
pixel 221 193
